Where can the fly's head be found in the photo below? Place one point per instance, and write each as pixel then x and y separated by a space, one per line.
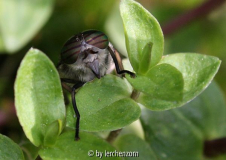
pixel 87 50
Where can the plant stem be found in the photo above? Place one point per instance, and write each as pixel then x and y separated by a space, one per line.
pixel 113 135
pixel 190 16
pixel 215 147
pixel 135 94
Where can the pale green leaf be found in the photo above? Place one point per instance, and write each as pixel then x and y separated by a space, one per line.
pixel 197 70
pixel 104 105
pixel 52 133
pixel 38 95
pixel 140 29
pixel 20 20
pixel 161 83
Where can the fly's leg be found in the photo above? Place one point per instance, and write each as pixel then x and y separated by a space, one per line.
pixel 76 86
pixel 72 90
pixel 118 70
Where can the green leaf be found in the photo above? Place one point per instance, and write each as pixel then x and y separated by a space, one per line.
pixel 171 136
pixel 161 83
pixel 201 119
pixel 67 148
pixel 207 112
pixel 141 28
pixel 104 105
pixel 197 70
pixel 145 58
pixel 29 150
pixel 132 143
pixel 9 149
pixel 52 133
pixel 20 21
pixel 38 95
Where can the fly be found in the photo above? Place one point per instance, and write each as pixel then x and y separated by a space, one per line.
pixel 86 56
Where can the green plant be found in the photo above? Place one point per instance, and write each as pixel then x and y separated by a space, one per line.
pixel 162 83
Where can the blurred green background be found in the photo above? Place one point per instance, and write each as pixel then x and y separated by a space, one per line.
pixel 47 24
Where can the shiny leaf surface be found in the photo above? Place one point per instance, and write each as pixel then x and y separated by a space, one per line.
pixel 141 28
pixel 161 83
pixel 197 70
pixel 38 95
pixel 104 105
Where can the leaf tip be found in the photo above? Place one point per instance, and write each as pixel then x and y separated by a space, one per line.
pixel 34 50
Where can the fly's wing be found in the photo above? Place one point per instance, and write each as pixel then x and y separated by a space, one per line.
pixel 116 58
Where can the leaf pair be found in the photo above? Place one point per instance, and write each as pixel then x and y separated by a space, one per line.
pixel 177 79
pixel 166 82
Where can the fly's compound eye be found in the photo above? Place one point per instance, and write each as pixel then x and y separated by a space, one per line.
pixel 72 48
pixel 96 38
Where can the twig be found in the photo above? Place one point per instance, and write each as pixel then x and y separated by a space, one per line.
pixel 190 16
pixel 135 94
pixel 113 135
pixel 215 147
